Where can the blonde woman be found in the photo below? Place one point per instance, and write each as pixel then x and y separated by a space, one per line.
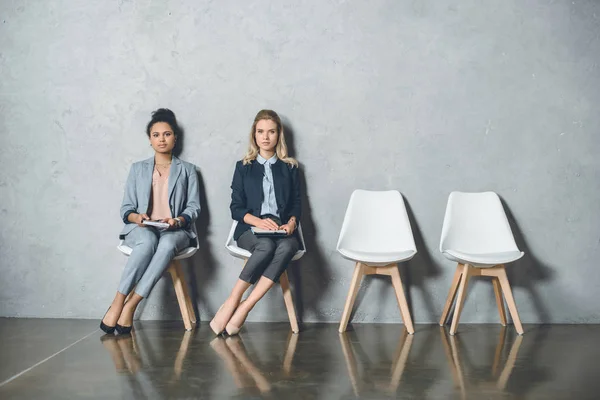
pixel 265 194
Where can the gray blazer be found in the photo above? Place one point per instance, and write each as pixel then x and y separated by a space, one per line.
pixel 184 196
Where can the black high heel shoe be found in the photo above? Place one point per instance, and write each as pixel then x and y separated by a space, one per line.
pixel 104 327
pixel 123 330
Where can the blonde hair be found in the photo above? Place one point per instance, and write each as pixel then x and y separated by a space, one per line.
pixel 280 149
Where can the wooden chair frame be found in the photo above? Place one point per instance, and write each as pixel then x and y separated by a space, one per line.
pixel 501 285
pixel 390 270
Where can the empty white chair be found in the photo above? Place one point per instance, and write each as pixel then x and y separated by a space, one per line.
pixel 181 290
pixel 238 252
pixel 476 235
pixel 376 235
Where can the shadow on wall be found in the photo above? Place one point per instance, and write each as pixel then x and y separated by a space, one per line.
pixel 527 271
pixel 420 268
pixel 310 276
pixel 203 265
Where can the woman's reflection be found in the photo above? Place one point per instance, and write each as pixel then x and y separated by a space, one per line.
pixel 245 372
pixel 129 359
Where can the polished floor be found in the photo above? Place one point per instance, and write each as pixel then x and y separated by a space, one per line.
pixel 68 359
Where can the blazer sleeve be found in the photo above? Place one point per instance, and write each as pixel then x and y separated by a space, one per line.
pixel 296 200
pixel 192 207
pixel 239 203
pixel 130 203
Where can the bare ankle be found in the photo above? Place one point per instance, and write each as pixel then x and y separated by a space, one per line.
pixel 232 301
pixel 246 307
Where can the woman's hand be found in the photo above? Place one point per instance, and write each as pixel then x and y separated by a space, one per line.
pixel 290 227
pixel 172 223
pixel 267 224
pixel 139 218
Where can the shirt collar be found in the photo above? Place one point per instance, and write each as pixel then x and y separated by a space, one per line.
pixel 263 160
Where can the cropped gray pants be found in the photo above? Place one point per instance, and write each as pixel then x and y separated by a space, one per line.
pixel 152 252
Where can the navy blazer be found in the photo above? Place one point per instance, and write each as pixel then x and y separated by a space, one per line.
pixel 247 192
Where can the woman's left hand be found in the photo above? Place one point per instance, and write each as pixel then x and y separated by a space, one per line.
pixel 290 227
pixel 172 223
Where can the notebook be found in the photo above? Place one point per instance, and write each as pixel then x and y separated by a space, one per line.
pixel 156 224
pixel 264 232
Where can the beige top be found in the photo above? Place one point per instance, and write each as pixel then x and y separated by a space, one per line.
pixel 160 194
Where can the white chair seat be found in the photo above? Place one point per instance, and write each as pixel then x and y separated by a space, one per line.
pixel 377 257
pixel 483 260
pixel 238 252
pixel 182 255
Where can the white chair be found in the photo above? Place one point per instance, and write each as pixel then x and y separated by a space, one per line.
pixel 181 289
pixel 376 234
pixel 238 252
pixel 476 235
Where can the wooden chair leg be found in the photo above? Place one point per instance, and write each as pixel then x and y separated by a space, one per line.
pixel 510 301
pixel 179 291
pixel 186 292
pixel 289 301
pixel 290 351
pixel 404 310
pixel 352 292
pixel 460 300
pixel 400 361
pixel 450 358
pixel 510 363
pixel 350 362
pixel 499 349
pixel 451 294
pixel 181 355
pixel 458 367
pixel 499 300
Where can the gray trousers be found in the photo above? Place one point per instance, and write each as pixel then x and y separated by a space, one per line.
pixel 270 257
pixel 152 252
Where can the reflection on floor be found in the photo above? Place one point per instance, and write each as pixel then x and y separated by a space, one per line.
pixel 160 360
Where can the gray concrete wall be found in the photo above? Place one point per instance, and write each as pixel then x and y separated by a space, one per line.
pixel 424 97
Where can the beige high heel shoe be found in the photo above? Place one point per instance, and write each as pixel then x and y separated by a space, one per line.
pixel 220 329
pixel 217 329
pixel 232 329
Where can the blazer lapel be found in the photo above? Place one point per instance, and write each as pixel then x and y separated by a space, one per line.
pixel 174 174
pixel 146 180
pixel 257 171
pixel 278 182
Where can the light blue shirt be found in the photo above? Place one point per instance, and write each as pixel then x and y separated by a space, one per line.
pixel 269 204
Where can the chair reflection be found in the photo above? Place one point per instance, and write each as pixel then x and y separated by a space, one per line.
pixel 498 376
pixel 371 377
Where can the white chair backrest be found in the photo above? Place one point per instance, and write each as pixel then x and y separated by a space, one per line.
pixel 230 241
pixel 376 221
pixel 476 223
